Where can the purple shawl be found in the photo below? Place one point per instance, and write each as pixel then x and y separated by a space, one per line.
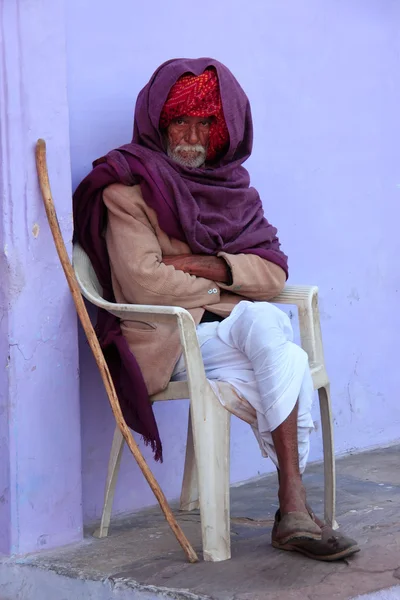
pixel 212 209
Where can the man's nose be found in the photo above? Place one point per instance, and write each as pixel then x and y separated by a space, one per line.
pixel 192 136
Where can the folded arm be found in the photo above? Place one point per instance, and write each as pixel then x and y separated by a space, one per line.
pixel 254 277
pixel 202 265
pixel 137 262
pixel 245 274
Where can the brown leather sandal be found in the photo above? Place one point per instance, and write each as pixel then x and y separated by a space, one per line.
pixel 332 545
pixel 296 526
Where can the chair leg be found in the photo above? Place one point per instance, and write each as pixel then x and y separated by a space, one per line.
pixel 211 435
pixel 112 476
pixel 329 456
pixel 189 494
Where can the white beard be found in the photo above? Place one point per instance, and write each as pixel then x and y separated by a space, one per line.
pixel 195 158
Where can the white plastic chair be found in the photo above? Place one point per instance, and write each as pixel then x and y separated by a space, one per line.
pixel 206 477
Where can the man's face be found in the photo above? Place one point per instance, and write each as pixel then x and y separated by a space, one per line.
pixel 187 139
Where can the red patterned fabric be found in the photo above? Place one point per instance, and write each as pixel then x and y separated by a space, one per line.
pixel 198 96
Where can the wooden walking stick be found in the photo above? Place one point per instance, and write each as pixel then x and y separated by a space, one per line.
pixel 44 183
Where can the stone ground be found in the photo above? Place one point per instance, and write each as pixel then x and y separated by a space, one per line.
pixel 392 593
pixel 141 559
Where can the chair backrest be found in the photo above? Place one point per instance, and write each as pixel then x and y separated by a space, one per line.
pixel 87 278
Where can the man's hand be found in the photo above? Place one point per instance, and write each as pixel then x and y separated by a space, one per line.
pixel 201 265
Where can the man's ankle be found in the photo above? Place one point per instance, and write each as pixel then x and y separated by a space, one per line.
pixel 292 495
pixel 290 480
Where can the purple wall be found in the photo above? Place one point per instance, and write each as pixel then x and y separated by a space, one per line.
pixel 5 515
pixel 40 460
pixel 324 86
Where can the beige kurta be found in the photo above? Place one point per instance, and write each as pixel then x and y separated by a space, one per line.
pixel 136 246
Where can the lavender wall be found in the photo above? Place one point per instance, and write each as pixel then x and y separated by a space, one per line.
pixel 40 475
pixel 324 86
pixel 5 515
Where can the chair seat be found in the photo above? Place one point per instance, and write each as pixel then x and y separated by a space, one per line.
pixel 175 390
pixel 179 390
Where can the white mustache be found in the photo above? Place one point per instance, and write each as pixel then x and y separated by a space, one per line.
pixel 188 148
pixel 196 155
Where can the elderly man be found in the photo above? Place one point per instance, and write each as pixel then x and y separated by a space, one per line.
pixel 171 219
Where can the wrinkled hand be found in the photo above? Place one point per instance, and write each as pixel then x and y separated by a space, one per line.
pixel 201 265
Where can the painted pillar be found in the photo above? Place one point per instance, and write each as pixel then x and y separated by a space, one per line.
pixel 40 449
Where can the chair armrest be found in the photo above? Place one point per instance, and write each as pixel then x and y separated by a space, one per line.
pixel 305 297
pixel 157 313
pixel 187 332
pixel 298 295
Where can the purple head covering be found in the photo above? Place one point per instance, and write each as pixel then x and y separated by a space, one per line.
pixel 212 209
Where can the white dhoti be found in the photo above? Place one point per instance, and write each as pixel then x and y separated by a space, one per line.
pixel 253 351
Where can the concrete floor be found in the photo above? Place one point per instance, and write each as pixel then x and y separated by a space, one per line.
pixel 141 559
pixel 392 593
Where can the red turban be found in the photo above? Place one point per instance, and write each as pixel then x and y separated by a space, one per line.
pixel 198 96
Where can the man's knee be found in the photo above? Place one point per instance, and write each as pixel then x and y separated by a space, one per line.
pixel 267 321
